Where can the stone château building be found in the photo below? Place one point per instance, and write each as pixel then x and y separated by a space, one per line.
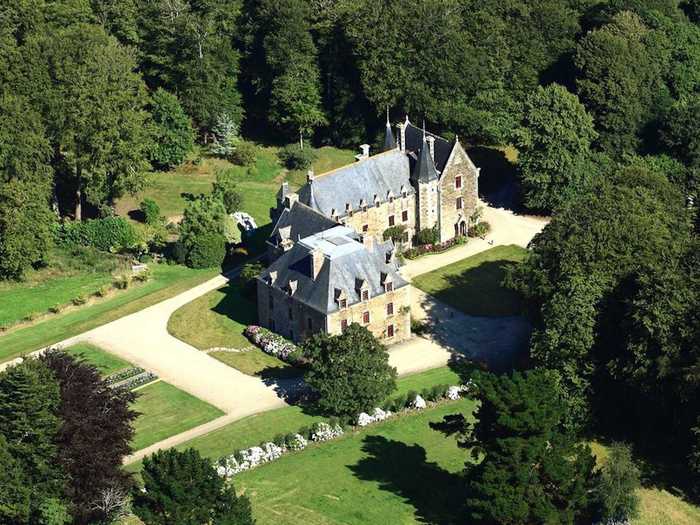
pixel 329 266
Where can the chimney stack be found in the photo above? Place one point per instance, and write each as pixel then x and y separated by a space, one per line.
pixel 310 176
pixel 402 134
pixel 316 262
pixel 290 199
pixel 431 144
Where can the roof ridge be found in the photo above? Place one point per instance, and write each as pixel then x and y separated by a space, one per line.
pixel 429 133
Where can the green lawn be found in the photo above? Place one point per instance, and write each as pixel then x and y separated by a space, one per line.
pixel 166 282
pixel 256 362
pixel 473 285
pixel 105 362
pixel 167 411
pixel 329 158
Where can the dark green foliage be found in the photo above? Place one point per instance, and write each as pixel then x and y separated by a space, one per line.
pixel 111 234
pixel 244 154
pixel 553 144
pixel 14 492
pixel 95 434
pixel 531 471
pixel 427 236
pixel 679 134
pixel 202 232
pixel 183 488
pixel 395 233
pixel 150 210
pixel 29 422
pixel 616 490
pixel 248 276
pixel 296 158
pixel 173 136
pixel 480 229
pixel 350 372
pixel 225 188
pixel 207 251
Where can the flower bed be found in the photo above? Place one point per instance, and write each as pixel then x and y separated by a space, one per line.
pixel 273 344
pixel 124 375
pixel 136 381
pixel 423 249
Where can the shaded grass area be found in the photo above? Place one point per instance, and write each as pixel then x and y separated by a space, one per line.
pixel 400 471
pixel 329 158
pixel 66 276
pixel 105 362
pixel 166 282
pixel 218 320
pixel 165 411
pixel 473 285
pixel 253 429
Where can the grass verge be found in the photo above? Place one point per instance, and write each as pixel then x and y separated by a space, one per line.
pixel 166 411
pixel 473 285
pixel 105 362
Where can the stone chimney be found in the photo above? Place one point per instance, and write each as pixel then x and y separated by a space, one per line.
pixel 402 135
pixel 316 262
pixel 290 199
pixel 310 176
pixel 431 144
pixel 365 151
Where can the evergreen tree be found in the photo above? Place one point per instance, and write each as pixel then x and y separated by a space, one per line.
pixel 553 147
pixel 202 232
pixel 225 136
pixel 173 134
pixel 617 486
pixel 350 372
pixel 184 488
pixel 14 492
pixel 532 471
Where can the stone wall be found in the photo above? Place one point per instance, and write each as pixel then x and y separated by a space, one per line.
pixel 376 218
pixel 459 164
pixel 427 205
pixel 378 317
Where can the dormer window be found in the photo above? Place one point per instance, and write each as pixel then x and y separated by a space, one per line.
pixel 404 192
pixel 365 295
pixel 390 196
pixel 376 199
pixel 342 303
pixel 388 286
pixel 348 209
pixel 363 205
pixel 341 298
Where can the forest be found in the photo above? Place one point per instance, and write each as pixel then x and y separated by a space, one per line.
pixel 601 99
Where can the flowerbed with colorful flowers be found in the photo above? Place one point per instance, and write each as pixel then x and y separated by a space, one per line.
pixel 423 249
pixel 249 458
pixel 273 344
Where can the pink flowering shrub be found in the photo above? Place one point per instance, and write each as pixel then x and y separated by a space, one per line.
pixel 273 344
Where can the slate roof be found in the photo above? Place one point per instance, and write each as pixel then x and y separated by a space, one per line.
pixel 346 262
pixel 425 167
pixel 377 175
pixel 414 143
pixel 389 141
pixel 298 222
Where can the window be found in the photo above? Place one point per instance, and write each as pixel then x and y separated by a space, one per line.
pixel 391 220
pixel 458 181
pixel 388 287
pixel 364 207
pixel 343 303
pixel 390 330
pixel 404 216
pixel 458 203
pixel 365 295
pixel 343 325
pixel 365 228
pixel 309 323
pixel 365 317
pixel 390 309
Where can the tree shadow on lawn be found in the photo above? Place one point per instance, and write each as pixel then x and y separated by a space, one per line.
pixel 498 184
pixel 235 305
pixel 402 469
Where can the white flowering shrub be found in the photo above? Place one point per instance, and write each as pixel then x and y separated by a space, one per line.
pixel 418 403
pixel 272 344
pixel 380 415
pixel 297 442
pixel 453 393
pixel 248 458
pixel 364 419
pixel 325 432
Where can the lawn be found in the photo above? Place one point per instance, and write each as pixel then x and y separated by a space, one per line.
pixel 473 285
pixel 167 411
pixel 105 362
pixel 218 319
pixel 166 282
pixel 65 277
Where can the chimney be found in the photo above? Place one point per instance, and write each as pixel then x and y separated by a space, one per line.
pixel 290 199
pixel 402 134
pixel 316 262
pixel 310 176
pixel 365 151
pixel 431 145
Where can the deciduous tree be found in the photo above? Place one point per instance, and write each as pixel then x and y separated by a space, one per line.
pixel 173 134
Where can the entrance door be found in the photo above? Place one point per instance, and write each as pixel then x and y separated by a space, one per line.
pixel 463 228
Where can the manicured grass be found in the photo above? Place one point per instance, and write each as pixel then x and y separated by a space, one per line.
pixel 400 471
pixel 473 285
pixel 66 277
pixel 166 411
pixel 166 282
pixel 329 158
pixel 105 362
pixel 255 362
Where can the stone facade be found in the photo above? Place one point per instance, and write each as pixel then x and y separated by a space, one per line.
pixel 458 190
pixel 376 219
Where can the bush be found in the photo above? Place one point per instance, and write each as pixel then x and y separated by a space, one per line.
pixel 111 234
pixel 122 282
pixel 395 233
pixel 80 300
pixel 427 236
pixel 248 276
pixel 479 230
pixel 55 309
pixel 178 252
pixel 150 210
pixel 295 158
pixel 418 327
pixel 102 291
pixel 143 276
pixel 225 189
pixel 207 250
pixel 244 154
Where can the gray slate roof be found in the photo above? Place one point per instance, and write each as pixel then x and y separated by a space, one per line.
pixel 414 143
pixel 425 167
pixel 389 141
pixel 299 222
pixel 345 263
pixel 378 175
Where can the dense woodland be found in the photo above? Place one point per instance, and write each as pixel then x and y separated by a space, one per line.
pixel 601 98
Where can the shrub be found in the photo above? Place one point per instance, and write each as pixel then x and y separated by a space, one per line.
pixel 207 251
pixel 143 276
pixel 122 282
pixel 102 291
pixel 150 210
pixel 178 252
pixel 295 158
pixel 225 136
pixel 479 230
pixel 244 154
pixel 418 327
pixel 79 300
pixel 110 234
pixel 55 309
pixel 225 189
pixel 427 236
pixel 31 316
pixel 395 233
pixel 172 130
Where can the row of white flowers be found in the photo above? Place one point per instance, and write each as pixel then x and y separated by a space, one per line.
pixel 271 343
